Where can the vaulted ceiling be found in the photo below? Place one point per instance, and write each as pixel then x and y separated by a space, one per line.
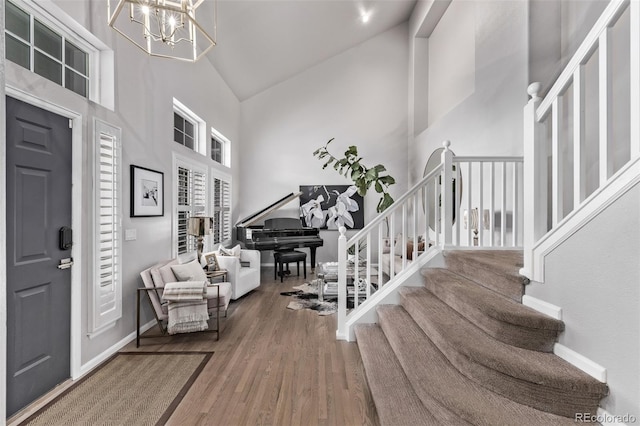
pixel 264 42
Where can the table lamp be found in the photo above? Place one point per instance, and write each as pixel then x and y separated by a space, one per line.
pixel 199 226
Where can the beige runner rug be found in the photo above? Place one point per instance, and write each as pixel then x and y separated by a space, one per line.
pixel 132 388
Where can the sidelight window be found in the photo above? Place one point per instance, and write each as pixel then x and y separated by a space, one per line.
pixel 106 286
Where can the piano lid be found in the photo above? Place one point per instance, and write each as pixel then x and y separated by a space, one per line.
pixel 264 212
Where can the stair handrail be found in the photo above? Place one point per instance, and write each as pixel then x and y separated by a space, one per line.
pixel 597 36
pixel 400 204
pixel 437 204
pixel 538 224
pixel 397 204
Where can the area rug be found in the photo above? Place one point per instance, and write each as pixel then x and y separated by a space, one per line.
pixel 132 388
pixel 305 296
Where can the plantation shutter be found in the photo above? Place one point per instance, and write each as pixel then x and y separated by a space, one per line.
pixel 221 210
pixel 107 299
pixel 192 199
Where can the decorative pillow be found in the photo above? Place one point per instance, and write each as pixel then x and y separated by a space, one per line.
pixel 233 251
pixel 191 271
pixel 167 274
pixel 156 276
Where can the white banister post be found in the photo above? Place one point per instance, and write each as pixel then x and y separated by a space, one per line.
pixel 341 333
pixel 446 195
pixel 534 181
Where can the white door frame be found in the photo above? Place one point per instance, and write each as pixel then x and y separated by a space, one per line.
pixel 76 225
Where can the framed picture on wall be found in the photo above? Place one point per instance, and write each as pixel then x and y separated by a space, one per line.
pixel 147 192
pixel 331 206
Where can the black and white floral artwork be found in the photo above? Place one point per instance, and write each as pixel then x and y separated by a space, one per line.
pixel 331 206
pixel 147 192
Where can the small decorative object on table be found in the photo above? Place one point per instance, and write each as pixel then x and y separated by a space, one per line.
pixel 212 262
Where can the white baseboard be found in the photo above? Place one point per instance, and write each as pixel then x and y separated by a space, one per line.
pixel 85 368
pixel 544 307
pixel 596 371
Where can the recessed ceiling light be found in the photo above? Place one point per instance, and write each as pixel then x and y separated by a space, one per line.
pixel 365 13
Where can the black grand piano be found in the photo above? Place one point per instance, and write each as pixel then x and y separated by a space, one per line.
pixel 278 233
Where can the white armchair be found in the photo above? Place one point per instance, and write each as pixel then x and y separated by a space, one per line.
pixel 243 279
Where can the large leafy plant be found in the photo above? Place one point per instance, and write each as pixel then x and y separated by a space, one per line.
pixel 363 177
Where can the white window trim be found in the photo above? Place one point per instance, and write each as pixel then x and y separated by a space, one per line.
pixel 101 57
pixel 199 138
pixel 181 161
pixel 101 320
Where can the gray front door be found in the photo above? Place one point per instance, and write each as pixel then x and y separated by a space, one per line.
pixel 38 292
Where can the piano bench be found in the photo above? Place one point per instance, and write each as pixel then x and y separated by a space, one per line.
pixel 285 257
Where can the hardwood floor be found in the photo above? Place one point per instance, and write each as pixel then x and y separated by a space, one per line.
pixel 272 366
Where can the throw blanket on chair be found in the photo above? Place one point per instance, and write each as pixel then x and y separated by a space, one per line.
pixel 187 306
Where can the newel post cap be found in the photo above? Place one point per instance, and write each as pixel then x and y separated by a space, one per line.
pixel 342 231
pixel 533 90
pixel 446 145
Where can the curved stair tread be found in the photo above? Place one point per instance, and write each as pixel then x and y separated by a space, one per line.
pixel 396 402
pixel 541 378
pixel 509 261
pixel 433 376
pixel 495 269
pixel 485 300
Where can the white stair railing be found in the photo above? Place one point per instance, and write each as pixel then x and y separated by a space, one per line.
pixel 557 134
pixel 489 204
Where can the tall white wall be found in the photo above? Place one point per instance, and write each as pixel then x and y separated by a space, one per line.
pixel 144 92
pixel 358 97
pixel 594 277
pixel 485 118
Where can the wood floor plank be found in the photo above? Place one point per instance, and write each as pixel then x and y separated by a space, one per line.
pixel 273 366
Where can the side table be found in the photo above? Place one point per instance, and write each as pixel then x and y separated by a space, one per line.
pixel 220 273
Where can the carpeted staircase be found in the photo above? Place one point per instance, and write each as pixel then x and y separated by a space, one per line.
pixel 463 350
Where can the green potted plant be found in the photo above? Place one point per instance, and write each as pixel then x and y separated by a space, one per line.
pixel 363 177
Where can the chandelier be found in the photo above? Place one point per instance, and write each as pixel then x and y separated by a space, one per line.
pixel 163 28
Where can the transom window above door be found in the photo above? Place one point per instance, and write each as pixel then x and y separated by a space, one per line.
pixel 33 45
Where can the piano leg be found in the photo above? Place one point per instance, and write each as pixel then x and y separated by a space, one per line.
pixel 312 251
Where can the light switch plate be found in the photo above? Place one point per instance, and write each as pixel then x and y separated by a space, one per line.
pixel 130 234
